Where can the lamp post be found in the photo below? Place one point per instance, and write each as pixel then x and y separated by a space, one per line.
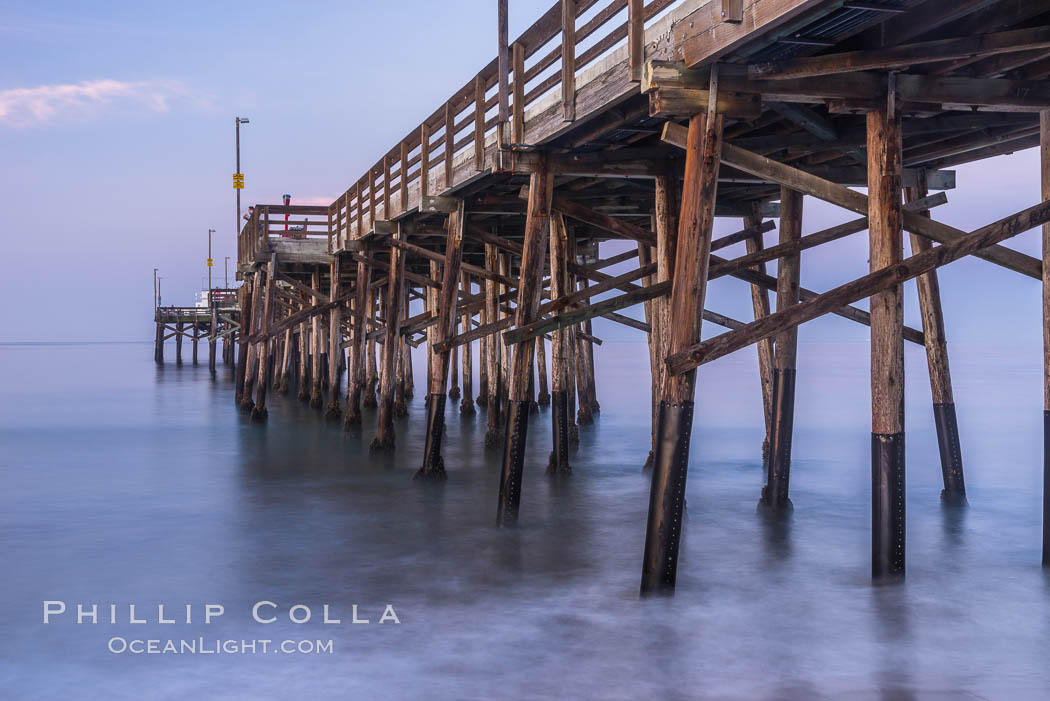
pixel 156 291
pixel 226 267
pixel 210 232
pixel 238 186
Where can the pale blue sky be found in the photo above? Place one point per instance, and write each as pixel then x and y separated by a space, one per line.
pixel 116 127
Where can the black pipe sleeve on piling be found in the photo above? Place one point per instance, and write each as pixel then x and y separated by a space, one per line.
pixel 954 491
pixel 1046 489
pixel 674 423
pixel 559 460
pixel 887 504
pixel 433 464
pixel 513 462
pixel 778 469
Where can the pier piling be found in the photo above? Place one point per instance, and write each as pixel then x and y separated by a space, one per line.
pixel 887 345
pixel 537 231
pixel 785 349
pixel 675 417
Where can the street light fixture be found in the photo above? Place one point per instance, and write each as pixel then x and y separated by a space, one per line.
pixel 239 177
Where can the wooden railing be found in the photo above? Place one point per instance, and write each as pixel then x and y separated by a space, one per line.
pixel 474 119
pixel 267 221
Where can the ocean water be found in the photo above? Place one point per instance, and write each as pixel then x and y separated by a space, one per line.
pixel 130 483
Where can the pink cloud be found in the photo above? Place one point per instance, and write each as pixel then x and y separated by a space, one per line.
pixel 28 107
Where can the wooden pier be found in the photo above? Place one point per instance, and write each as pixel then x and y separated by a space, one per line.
pixel 643 122
pixel 219 321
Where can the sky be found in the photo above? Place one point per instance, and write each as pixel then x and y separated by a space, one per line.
pixel 117 143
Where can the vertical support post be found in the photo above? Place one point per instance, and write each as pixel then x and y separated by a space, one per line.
pixel 568 60
pixel 466 406
pixel 760 304
pixel 371 371
pixel 213 330
pixel 929 289
pixel 1044 167
pixel 286 359
pixel 403 181
pixel 585 415
pixel 887 344
pixel 269 276
pixel 158 346
pixel 179 333
pixel 518 106
pixel 403 365
pixel 384 439
pixel 492 345
pixel 675 416
pixel 386 187
pixel 433 464
pixel 453 382
pixel 248 322
pixel 503 67
pixel 450 142
pixel 645 257
pixel 543 397
pixel 483 354
pixel 431 308
pixel 537 231
pixel 559 260
pixel 666 216
pixel 335 341
pixel 479 123
pixel 317 348
pixel 195 338
pixel 636 37
pixel 504 350
pixel 571 347
pixel 406 360
pixel 778 469
pixel 304 359
pixel 424 160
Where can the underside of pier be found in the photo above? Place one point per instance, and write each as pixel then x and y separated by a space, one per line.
pixel 643 122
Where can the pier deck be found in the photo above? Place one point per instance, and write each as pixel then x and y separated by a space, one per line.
pixel 643 121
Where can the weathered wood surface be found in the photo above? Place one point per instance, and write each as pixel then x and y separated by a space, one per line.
pixel 860 288
pixel 849 199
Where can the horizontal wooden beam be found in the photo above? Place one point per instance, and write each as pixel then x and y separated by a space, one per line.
pixel 905 55
pixel 636 233
pixel 833 233
pixel 858 289
pixel 918 92
pixel 850 199
pixel 674 103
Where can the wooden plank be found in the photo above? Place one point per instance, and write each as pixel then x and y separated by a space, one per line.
pixel 904 55
pixel 450 142
pixel 635 38
pixel 479 124
pixel 424 160
pixel 568 60
pixel 675 103
pixel 733 11
pixel 860 288
pixel 702 37
pixel 503 61
pixel 518 101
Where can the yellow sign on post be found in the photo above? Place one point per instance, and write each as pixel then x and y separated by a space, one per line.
pixel 238 181
pixel 209 262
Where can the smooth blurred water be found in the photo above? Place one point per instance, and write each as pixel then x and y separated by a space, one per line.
pixel 124 482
